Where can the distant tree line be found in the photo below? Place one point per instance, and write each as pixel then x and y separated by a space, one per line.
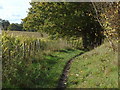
pixel 5 25
pixel 15 26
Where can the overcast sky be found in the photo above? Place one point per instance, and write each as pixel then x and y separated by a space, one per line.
pixel 14 10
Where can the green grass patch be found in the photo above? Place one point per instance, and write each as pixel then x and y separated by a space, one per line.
pixel 43 73
pixel 95 69
pixel 54 64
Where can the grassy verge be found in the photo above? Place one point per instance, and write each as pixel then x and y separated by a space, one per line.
pixel 44 73
pixel 95 69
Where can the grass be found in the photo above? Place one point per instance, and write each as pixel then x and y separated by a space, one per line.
pixel 48 46
pixel 55 63
pixel 39 69
pixel 95 69
pixel 43 73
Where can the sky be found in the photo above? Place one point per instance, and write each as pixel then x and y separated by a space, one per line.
pixel 14 10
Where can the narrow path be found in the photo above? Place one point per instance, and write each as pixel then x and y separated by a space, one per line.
pixel 63 77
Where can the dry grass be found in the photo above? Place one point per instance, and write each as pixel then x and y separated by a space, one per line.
pixel 27 34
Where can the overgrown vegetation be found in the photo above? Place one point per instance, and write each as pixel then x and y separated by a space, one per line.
pixel 33 62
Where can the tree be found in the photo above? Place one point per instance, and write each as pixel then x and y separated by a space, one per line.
pixel 108 17
pixel 16 27
pixel 65 19
pixel 4 24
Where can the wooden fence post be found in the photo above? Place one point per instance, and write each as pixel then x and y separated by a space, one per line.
pixel 29 49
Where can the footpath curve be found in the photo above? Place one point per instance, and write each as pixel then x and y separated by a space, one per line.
pixel 63 78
